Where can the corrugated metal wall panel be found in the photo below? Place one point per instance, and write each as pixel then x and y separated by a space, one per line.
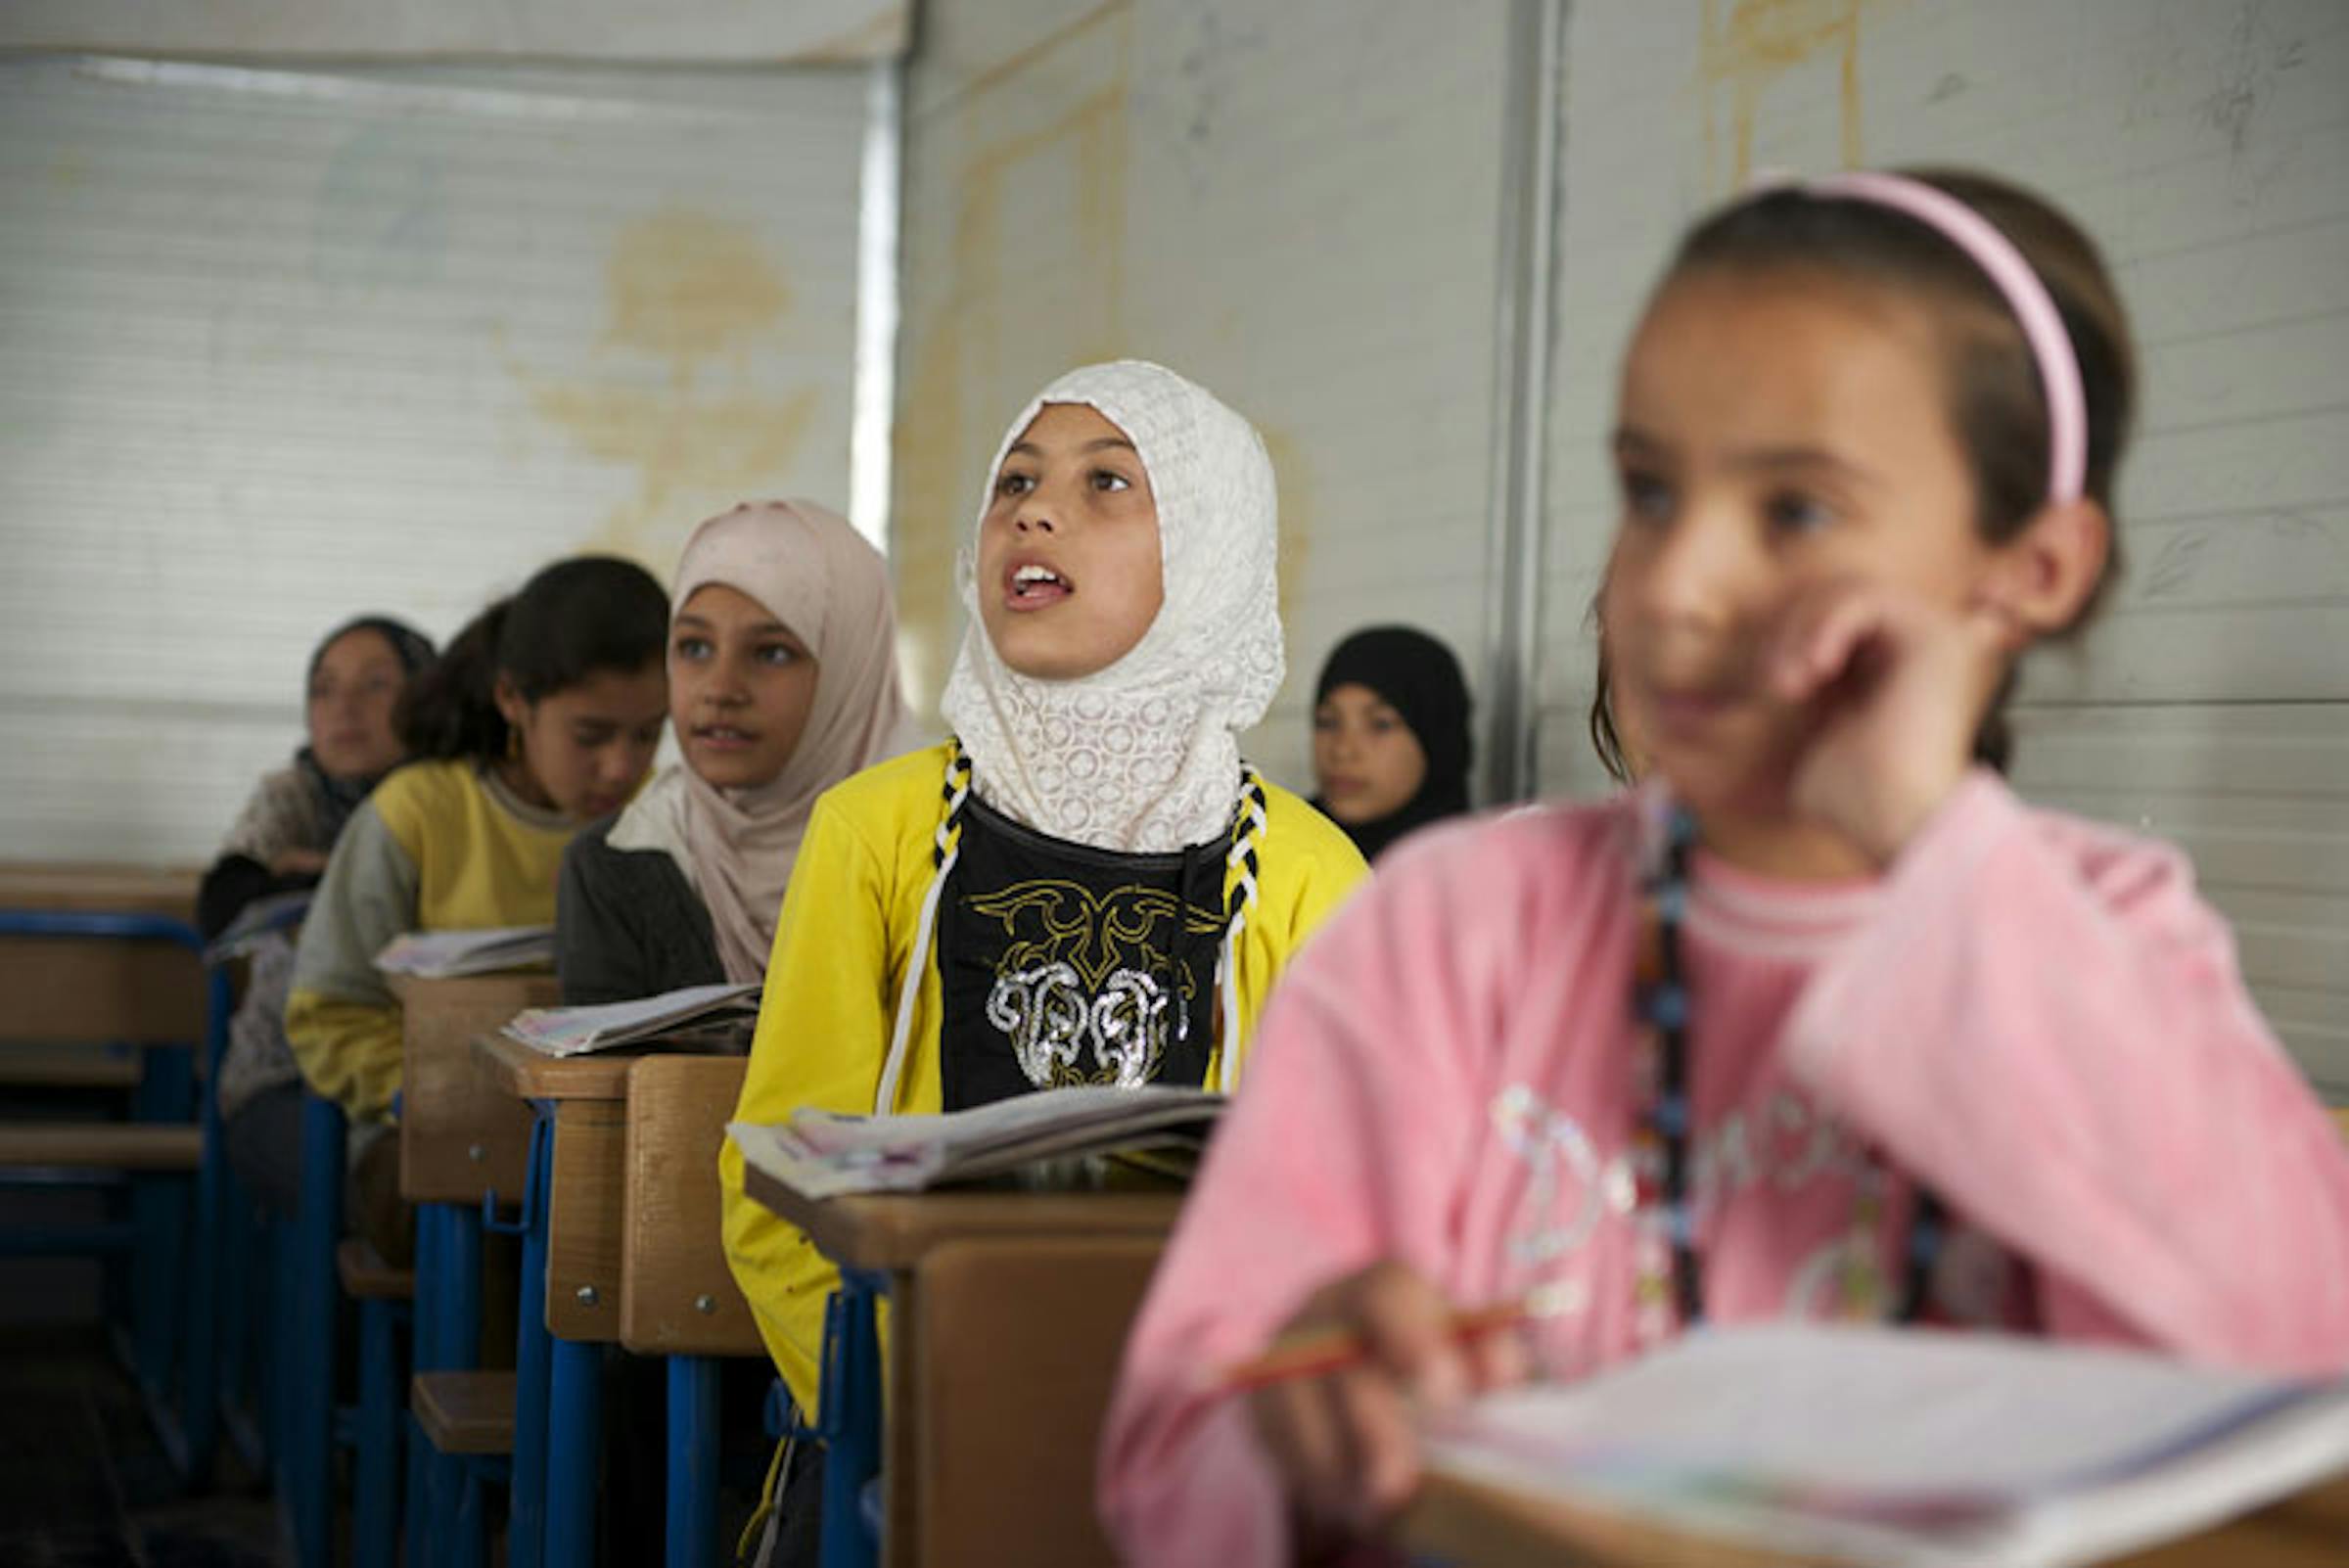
pixel 277 346
pixel 718 32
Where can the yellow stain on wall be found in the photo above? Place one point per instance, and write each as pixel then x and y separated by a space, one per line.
pixel 1761 41
pixel 683 285
pixel 955 396
pixel 689 297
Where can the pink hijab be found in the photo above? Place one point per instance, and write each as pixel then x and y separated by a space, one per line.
pixel 817 575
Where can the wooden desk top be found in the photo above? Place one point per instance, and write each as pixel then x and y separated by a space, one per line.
pixel 73 885
pixel 533 1075
pixel 893 1231
pixel 1480 1526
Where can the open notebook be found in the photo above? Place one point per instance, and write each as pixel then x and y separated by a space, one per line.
pixel 824 1154
pixel 447 954
pixel 1883 1446
pixel 701 1015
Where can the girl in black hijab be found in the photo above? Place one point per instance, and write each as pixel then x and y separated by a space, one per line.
pixel 1391 747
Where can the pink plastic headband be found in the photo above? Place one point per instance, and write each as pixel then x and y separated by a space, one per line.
pixel 2026 295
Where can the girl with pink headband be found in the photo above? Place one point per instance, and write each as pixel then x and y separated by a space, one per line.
pixel 1822 1021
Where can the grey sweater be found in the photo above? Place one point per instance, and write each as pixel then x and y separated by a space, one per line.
pixel 628 924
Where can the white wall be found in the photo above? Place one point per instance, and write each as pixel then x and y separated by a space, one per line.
pixel 2207 145
pixel 278 345
pixel 675 32
pixel 1295 204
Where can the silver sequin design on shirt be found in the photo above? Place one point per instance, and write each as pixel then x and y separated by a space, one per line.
pixel 1559 1157
pixel 1053 1026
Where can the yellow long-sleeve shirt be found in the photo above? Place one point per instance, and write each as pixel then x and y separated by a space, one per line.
pixel 845 935
pixel 437 847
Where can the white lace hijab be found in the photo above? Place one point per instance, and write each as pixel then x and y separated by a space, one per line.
pixel 1142 756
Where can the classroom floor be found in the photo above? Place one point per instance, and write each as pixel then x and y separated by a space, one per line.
pixel 84 1484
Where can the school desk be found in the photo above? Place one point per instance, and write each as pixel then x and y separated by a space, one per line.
pixel 108 991
pixel 885 1245
pixel 1016 1344
pixel 621 1244
pixel 678 1299
pixel 570 1224
pixel 1471 1525
pixel 464 1146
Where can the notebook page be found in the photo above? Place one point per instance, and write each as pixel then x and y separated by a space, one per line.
pixel 1900 1446
pixel 563 1030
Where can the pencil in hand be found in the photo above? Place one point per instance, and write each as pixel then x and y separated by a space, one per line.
pixel 1318 1352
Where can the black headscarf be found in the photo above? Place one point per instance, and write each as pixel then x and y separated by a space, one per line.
pixel 338 798
pixel 1419 678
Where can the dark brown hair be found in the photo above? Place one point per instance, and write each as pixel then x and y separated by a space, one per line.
pixel 1995 404
pixel 575 620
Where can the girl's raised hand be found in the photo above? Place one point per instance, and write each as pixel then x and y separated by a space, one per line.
pixel 1894 688
pixel 1345 1443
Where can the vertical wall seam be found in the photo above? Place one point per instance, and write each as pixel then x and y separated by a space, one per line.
pixel 1523 331
pixel 880 198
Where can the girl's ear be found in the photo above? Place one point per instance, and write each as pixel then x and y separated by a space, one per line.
pixel 2041 579
pixel 512 706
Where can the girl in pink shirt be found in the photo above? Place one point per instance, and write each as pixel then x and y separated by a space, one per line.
pixel 1823 1022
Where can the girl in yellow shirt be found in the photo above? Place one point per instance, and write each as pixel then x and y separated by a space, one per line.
pixel 1086 884
pixel 542 716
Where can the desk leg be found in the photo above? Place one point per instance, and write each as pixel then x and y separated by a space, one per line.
pixel 470 1546
pixel 461 1295
pixel 693 1384
pixel 448 1338
pixel 424 1355
pixel 162 1207
pixel 214 1240
pixel 453 1539
pixel 525 1517
pixel 375 1474
pixel 311 1447
pixel 241 1263
pixel 850 1420
pixel 575 1437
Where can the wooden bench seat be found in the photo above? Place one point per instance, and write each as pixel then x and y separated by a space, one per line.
pixel 71 1067
pixel 465 1413
pixel 101 1145
pixel 367 1277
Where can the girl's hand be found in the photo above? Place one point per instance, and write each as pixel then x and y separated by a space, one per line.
pixel 1896 688
pixel 1345 1443
pixel 297 863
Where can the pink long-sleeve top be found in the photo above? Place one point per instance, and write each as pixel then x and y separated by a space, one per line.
pixel 2033 1016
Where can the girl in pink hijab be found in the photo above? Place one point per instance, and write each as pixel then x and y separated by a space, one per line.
pixel 782 682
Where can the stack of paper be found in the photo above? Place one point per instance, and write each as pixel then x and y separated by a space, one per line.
pixel 699 1014
pixel 822 1154
pixel 447 954
pixel 1879 1445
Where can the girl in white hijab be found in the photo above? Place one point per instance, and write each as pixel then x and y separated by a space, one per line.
pixel 1085 885
pixel 782 682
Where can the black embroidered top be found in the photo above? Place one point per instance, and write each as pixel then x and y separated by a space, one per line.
pixel 1062 964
